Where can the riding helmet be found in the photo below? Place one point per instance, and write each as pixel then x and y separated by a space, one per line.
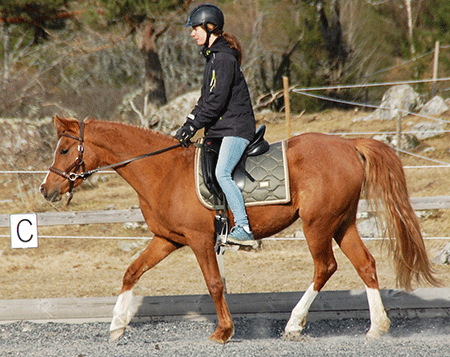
pixel 206 14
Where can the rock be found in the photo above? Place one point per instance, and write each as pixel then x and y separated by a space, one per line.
pixel 135 225
pixel 443 257
pixel 362 215
pixel 409 141
pixel 131 225
pixel 299 234
pixel 426 214
pixel 165 119
pixel 428 130
pixel 368 228
pixel 398 97
pixel 421 131
pixel 435 106
pixel 128 246
pixel 173 115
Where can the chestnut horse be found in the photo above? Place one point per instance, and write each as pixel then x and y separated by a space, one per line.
pixel 327 174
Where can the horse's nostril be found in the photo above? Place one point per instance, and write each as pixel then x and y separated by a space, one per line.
pixel 42 190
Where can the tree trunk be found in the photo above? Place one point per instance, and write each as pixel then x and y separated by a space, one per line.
pixel 6 41
pixel 410 27
pixel 334 43
pixel 154 88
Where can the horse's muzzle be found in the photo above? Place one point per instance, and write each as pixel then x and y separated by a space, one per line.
pixel 52 196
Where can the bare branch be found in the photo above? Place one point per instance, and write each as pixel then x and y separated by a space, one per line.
pixel 138 112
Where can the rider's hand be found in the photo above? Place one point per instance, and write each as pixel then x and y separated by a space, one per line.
pixel 185 133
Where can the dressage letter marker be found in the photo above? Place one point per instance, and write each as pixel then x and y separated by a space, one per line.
pixel 24 230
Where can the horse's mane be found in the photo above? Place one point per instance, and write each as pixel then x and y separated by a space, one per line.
pixel 138 129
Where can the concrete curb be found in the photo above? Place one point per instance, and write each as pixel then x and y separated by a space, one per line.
pixel 426 302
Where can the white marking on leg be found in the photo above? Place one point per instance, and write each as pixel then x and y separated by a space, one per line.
pixel 297 320
pixel 122 314
pixel 379 322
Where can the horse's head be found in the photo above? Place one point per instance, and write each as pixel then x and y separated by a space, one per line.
pixel 68 160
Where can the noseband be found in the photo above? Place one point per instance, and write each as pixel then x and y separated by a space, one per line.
pixel 71 172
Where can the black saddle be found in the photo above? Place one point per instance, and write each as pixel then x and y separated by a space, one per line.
pixel 209 156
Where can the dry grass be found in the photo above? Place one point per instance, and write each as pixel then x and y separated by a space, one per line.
pixel 94 267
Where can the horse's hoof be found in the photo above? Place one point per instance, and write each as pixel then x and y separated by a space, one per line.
pixel 223 336
pixel 378 330
pixel 116 334
pixel 294 336
pixel 214 339
pixel 374 335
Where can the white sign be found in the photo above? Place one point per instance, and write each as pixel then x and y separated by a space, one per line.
pixel 24 230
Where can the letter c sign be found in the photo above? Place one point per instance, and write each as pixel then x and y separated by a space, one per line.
pixel 24 230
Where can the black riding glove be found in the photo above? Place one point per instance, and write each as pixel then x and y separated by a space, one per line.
pixel 185 133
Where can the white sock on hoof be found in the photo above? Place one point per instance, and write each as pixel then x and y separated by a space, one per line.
pixel 300 312
pixel 123 311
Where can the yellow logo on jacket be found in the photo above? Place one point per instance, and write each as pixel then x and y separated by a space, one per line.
pixel 213 81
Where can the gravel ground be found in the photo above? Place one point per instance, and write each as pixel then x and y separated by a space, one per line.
pixel 253 337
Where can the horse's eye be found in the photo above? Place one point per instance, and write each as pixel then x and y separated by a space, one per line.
pixel 64 151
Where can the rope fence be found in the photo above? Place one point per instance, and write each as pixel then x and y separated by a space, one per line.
pixel 370 106
pixel 371 85
pixel 411 61
pixel 305 92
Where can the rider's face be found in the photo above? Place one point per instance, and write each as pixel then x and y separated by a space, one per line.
pixel 199 35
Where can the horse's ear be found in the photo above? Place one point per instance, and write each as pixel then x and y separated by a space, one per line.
pixel 65 125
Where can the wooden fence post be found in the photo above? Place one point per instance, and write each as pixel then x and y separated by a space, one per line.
pixel 287 105
pixel 435 68
pixel 399 129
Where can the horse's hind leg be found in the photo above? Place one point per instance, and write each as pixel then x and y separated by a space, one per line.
pixel 364 263
pixel 157 250
pixel 320 246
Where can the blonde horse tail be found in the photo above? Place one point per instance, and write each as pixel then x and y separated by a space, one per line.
pixel 386 191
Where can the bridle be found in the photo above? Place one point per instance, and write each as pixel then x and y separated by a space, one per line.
pixel 71 173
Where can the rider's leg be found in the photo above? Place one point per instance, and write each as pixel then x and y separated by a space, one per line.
pixel 230 153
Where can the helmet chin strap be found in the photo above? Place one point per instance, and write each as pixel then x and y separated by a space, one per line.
pixel 208 37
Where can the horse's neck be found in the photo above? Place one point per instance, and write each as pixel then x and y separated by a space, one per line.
pixel 118 142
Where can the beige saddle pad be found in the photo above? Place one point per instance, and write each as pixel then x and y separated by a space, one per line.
pixel 270 171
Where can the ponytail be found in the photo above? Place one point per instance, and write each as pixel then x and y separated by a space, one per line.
pixel 234 43
pixel 231 39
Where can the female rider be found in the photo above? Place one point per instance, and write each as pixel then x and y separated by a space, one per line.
pixel 224 109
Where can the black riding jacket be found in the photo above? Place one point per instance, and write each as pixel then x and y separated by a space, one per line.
pixel 224 107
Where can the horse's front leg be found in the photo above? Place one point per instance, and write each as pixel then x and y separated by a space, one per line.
pixel 204 252
pixel 157 250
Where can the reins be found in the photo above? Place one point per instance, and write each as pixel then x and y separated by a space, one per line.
pixel 71 173
pixel 85 175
